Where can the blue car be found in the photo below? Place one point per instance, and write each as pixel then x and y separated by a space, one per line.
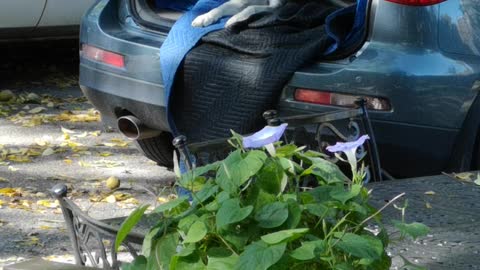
pixel 417 62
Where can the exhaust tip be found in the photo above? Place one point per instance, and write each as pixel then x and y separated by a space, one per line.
pixel 134 129
pixel 130 127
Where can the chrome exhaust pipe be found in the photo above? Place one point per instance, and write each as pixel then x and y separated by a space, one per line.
pixel 134 129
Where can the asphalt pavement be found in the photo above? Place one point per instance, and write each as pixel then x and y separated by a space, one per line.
pixel 50 134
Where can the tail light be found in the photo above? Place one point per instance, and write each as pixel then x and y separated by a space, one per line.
pixel 416 2
pixel 99 55
pixel 335 99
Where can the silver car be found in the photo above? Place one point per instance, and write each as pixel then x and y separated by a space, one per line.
pixel 41 19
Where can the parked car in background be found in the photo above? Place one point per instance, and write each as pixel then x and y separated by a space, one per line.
pixel 418 63
pixel 41 19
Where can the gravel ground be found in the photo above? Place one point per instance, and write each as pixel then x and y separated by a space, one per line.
pixel 82 157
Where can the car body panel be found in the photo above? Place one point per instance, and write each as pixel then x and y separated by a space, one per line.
pixel 431 89
pixel 458 27
pixel 62 12
pixel 20 14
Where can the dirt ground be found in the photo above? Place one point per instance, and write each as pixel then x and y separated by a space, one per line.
pixel 50 134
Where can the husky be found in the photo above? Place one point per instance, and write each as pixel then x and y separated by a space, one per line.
pixel 240 9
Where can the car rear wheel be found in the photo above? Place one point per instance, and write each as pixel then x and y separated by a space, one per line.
pixel 158 149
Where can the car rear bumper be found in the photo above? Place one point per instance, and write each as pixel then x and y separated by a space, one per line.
pixel 134 89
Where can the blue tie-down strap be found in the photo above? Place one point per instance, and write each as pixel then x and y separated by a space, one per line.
pixel 180 40
pixel 343 31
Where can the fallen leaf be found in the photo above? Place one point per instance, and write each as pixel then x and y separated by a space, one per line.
pixel 10 192
pixel 477 180
pixel 48 152
pixel 110 199
pixel 68 161
pixel 37 110
pixel 430 192
pixel 95 133
pixel 46 227
pixel 105 154
pixel 48 203
pixel 428 205
pixel 4 180
pixel 466 176
pixel 13 169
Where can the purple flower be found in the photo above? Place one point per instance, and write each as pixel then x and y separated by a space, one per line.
pixel 264 137
pixel 342 147
pixel 350 150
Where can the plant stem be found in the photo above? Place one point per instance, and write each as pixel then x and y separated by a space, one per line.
pixel 226 244
pixel 381 209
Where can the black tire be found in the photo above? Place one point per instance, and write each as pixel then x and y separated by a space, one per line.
pixel 158 149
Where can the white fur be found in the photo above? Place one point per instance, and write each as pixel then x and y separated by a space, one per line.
pixel 240 9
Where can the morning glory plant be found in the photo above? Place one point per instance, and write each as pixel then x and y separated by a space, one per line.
pixel 248 212
pixel 350 151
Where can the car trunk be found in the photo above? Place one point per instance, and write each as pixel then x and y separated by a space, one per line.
pixel 161 20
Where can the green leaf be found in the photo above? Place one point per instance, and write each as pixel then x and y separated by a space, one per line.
pixel 343 195
pixel 319 210
pixel 190 176
pixel 308 250
pixel 235 170
pixel 294 214
pixel 163 252
pixel 206 193
pixel 260 256
pixel 196 233
pixel 414 229
pixel 185 223
pixel 170 205
pixel 230 212
pixel 270 177
pixel 139 263
pixel 272 215
pixel 384 263
pixel 221 259
pixel 285 235
pixel 360 246
pixel 128 224
pixel 191 262
pixel 325 170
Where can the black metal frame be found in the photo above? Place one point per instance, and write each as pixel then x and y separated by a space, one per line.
pixel 88 235
pixel 324 121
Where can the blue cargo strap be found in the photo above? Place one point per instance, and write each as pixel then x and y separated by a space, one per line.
pixel 180 40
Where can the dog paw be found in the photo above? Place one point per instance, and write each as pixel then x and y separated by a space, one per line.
pixel 203 20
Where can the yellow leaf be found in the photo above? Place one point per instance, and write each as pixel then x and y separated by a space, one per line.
pixel 13 169
pixel 95 133
pixel 48 203
pixel 48 152
pixel 84 164
pixel 37 110
pixel 466 176
pixel 68 161
pixel 122 196
pixel 67 131
pixel 111 199
pixel 46 227
pixel 4 180
pixel 430 192
pixel 82 135
pixel 2 203
pixel 428 205
pixel 105 154
pixel 10 192
pixel 41 142
pixel 131 200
